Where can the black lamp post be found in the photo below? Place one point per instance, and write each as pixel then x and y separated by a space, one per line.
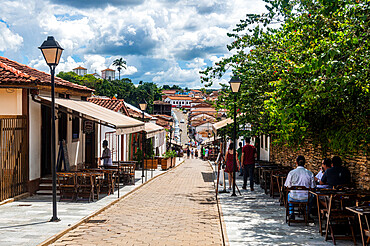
pixel 52 52
pixel 143 106
pixel 235 86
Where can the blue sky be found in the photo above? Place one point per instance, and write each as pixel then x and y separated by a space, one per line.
pixel 164 41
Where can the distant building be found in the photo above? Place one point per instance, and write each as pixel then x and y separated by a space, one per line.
pixel 179 101
pixel 96 76
pixel 162 108
pixel 108 74
pixel 80 71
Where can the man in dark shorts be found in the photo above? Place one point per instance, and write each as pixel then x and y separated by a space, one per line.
pixel 337 174
pixel 249 154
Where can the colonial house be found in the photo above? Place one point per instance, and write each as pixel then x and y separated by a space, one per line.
pixel 125 146
pixel 80 71
pixel 202 130
pixel 162 108
pixel 108 74
pixel 25 126
pixel 179 101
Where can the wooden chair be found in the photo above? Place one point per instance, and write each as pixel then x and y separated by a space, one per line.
pixel 128 172
pixel 85 186
pixel 299 208
pixel 67 185
pixel 337 216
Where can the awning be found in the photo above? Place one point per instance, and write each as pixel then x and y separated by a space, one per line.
pixel 222 124
pixel 122 123
pixel 152 129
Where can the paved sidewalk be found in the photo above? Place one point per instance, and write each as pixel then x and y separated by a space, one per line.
pixel 257 219
pixel 25 222
pixel 178 208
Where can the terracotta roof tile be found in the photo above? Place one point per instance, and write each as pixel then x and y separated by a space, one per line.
pixel 180 98
pixel 13 76
pixel 34 75
pixel 108 69
pixel 112 104
pixel 82 68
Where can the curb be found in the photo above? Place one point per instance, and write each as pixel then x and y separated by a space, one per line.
pixel 225 238
pixel 16 198
pixel 55 237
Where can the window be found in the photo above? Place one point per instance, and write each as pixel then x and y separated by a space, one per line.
pixel 75 128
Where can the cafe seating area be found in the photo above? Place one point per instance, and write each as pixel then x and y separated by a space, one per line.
pixel 341 212
pixel 88 183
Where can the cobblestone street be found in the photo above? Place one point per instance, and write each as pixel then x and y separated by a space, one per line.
pixel 178 208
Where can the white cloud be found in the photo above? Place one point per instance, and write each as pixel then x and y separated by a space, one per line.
pixel 8 39
pixel 162 40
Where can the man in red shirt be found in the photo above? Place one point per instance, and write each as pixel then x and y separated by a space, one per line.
pixel 249 154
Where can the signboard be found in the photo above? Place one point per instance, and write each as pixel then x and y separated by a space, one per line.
pixel 88 126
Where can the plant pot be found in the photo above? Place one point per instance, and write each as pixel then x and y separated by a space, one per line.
pixel 165 163
pixel 151 164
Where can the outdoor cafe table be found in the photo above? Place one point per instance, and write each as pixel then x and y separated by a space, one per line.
pixel 109 173
pixel 329 193
pixel 361 211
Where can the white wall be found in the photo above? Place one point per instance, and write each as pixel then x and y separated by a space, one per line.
pixel 34 139
pixel 265 149
pixel 10 101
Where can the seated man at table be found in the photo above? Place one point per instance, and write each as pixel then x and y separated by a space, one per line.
pixel 326 164
pixel 299 177
pixel 337 174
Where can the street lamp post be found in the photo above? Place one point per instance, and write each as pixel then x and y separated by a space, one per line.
pixel 235 86
pixel 52 51
pixel 143 106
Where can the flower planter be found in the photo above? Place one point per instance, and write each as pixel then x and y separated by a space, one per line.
pixel 151 164
pixel 165 163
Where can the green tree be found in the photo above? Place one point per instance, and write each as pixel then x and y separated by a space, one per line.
pixel 119 63
pixel 305 69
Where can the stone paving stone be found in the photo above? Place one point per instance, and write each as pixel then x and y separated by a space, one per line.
pixel 178 208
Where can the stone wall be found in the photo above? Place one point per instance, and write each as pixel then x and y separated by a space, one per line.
pixel 358 164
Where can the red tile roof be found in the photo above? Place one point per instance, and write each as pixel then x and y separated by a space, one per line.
pixel 108 69
pixel 112 104
pixel 26 75
pixel 136 114
pixel 161 103
pixel 14 76
pixel 82 68
pixel 180 98
pixel 169 91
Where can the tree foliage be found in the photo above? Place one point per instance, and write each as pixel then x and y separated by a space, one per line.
pixel 122 89
pixel 305 72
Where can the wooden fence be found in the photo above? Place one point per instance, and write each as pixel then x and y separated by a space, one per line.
pixel 13 156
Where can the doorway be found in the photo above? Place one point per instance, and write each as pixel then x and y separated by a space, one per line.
pixel 90 161
pixel 45 141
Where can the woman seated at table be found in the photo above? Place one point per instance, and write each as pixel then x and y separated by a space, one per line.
pixel 326 164
pixel 106 156
pixel 337 174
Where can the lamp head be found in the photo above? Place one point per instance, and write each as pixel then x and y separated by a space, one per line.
pixel 235 84
pixel 51 50
pixel 143 105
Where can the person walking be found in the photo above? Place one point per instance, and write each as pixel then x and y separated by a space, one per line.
pixel 192 153
pixel 230 164
pixel 188 152
pixel 196 153
pixel 249 154
pixel 239 151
